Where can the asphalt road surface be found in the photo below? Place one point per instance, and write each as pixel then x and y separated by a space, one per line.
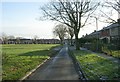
pixel 60 67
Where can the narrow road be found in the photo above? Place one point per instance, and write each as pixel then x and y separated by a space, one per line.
pixel 60 67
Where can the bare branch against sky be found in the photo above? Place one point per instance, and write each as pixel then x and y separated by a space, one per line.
pixel 18 18
pixel 70 13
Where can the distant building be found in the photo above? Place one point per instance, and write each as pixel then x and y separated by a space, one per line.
pixel 31 41
pixel 48 41
pixel 19 41
pixel 0 41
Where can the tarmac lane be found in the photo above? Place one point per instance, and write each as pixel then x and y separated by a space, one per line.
pixel 60 67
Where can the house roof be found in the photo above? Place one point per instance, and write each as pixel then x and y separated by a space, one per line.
pixel 111 26
pixel 96 32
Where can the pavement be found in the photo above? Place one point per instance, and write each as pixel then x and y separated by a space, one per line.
pixel 60 67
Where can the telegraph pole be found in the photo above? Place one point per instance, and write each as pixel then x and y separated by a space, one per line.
pixel 97 30
pixel 119 10
pixel 97 35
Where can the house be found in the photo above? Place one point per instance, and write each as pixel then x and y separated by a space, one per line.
pixel 25 41
pixel 48 41
pixel 115 33
pixel 12 41
pixel 31 41
pixel 95 34
pixel 109 34
pixel 105 35
pixel 19 41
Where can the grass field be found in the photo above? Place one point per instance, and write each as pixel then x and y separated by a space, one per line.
pixel 19 59
pixel 97 67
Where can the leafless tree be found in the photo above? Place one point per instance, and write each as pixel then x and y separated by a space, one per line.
pixel 18 39
pixel 74 14
pixel 60 31
pixel 115 5
pixel 70 31
pixel 4 38
pixel 35 39
pixel 11 37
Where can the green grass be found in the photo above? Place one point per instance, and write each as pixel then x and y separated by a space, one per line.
pixel 19 59
pixel 96 66
pixel 114 53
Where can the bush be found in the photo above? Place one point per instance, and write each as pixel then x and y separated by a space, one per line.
pixel 111 50
pixel 112 47
pixel 97 46
pixel 94 46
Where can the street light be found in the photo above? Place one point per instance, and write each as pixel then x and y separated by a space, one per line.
pixel 96 20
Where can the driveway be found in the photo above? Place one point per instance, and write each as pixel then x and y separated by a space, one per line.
pixel 60 67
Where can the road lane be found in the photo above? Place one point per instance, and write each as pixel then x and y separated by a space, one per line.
pixel 59 68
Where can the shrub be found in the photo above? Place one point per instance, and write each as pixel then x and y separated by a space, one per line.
pixel 94 46
pixel 111 50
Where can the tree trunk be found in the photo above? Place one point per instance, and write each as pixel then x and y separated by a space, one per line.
pixel 71 41
pixel 77 41
pixel 61 41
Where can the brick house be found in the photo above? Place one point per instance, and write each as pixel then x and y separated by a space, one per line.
pixel 48 41
pixel 31 41
pixel 105 35
pixel 19 41
pixel 95 34
pixel 109 34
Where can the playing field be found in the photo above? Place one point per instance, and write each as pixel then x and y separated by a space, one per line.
pixel 18 59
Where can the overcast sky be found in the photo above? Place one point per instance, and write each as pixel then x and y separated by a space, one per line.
pixel 20 18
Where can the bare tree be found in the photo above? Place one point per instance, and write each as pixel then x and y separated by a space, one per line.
pixel 60 31
pixel 11 37
pixel 4 38
pixel 70 31
pixel 115 5
pixel 35 39
pixel 18 40
pixel 71 13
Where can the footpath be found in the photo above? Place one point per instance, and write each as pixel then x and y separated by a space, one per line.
pixel 60 67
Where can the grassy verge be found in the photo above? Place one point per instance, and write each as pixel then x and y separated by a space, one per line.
pixel 114 53
pixel 97 67
pixel 19 59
